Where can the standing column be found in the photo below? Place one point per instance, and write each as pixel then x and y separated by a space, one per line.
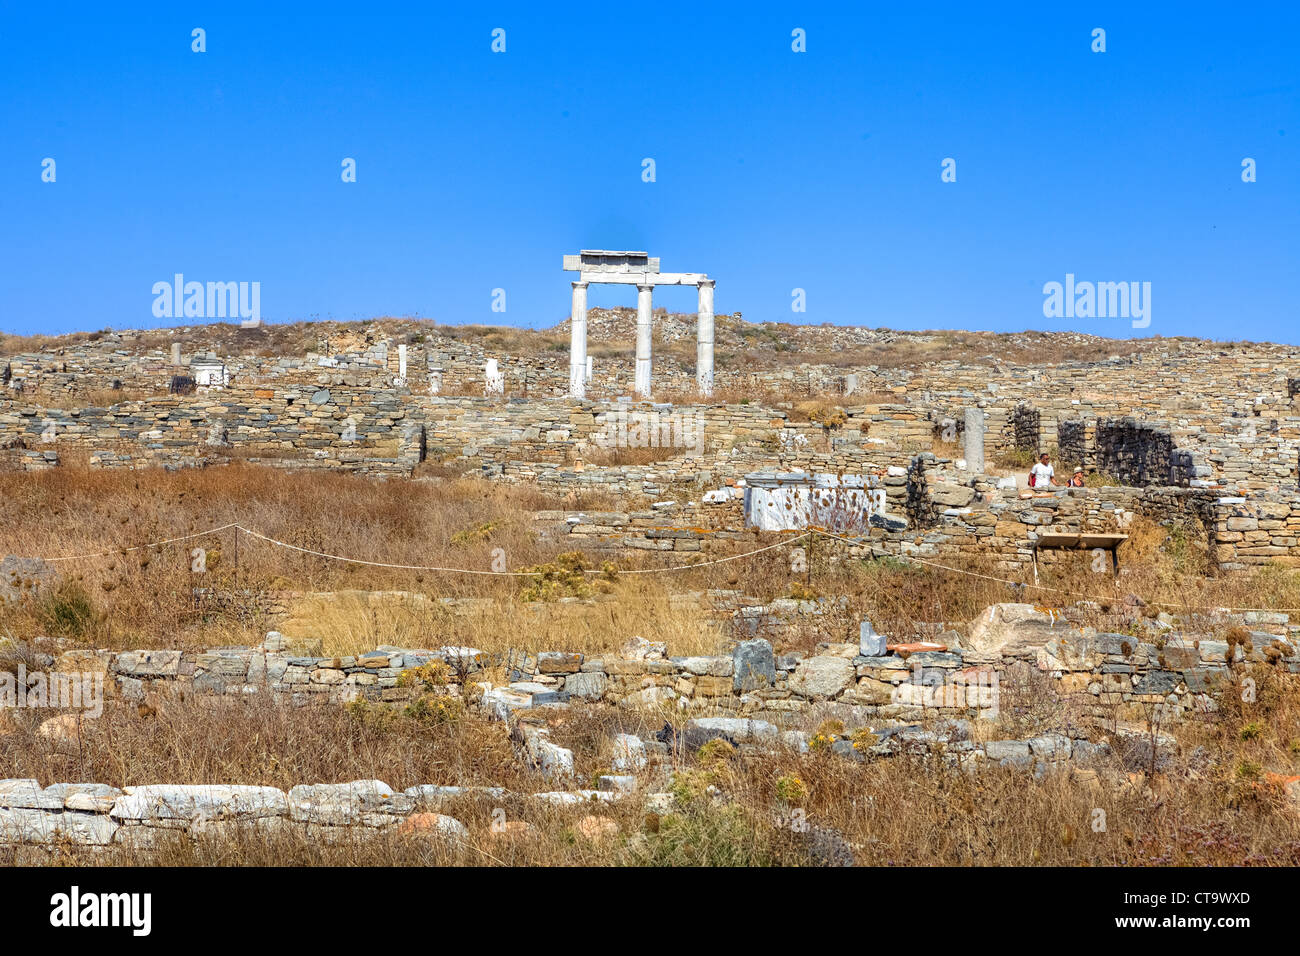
pixel 578 342
pixel 974 440
pixel 643 312
pixel 704 340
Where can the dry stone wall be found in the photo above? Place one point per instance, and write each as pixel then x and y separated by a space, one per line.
pixel 891 698
pixel 1222 420
pixel 1233 408
pixel 966 521
pixel 885 677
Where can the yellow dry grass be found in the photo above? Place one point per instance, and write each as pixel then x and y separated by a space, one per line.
pixel 350 622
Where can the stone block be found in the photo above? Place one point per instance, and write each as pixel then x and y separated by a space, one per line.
pixel 156 802
pixel 340 804
pixel 755 665
pixel 822 677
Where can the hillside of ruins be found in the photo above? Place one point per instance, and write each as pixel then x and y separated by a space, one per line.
pixel 491 594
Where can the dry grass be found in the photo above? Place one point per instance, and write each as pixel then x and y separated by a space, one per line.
pixel 618 456
pixel 261 741
pixel 144 598
pixel 95 397
pixel 15 344
pixel 147 598
pixel 507 340
pixel 293 338
pixel 349 622
pixel 1218 801
pixel 1213 803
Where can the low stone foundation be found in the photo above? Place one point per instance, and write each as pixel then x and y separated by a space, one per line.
pixel 1176 664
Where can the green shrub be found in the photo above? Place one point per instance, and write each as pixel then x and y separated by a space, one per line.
pixel 561 578
pixel 68 611
pixel 1252 730
pixel 704 835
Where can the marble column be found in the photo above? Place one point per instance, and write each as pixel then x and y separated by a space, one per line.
pixel 644 294
pixel 974 440
pixel 578 342
pixel 704 339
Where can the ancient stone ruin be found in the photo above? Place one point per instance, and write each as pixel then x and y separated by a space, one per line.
pixel 918 464
pixel 639 269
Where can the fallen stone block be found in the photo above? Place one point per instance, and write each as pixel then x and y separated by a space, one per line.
pixel 86 797
pixel 558 662
pixel 27 794
pixel 1050 746
pixel 870 644
pixel 574 797
pixel 339 804
pixel 616 783
pixel 740 730
pixel 1008 628
pixel 198 802
pixel 649 697
pixel 45 827
pixel 554 762
pixel 706 666
pixel 539 694
pixel 148 663
pixel 431 794
pixel 629 753
pixel 1004 749
pixel 587 686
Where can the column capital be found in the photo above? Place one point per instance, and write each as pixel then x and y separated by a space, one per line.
pixel 707 282
pixel 577 284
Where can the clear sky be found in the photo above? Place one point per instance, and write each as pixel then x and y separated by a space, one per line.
pixel 775 170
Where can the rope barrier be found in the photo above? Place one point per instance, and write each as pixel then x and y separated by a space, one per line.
pixel 380 564
pixel 138 547
pixel 680 567
pixel 409 567
pixel 529 574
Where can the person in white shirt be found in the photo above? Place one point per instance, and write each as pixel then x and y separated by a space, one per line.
pixel 1042 472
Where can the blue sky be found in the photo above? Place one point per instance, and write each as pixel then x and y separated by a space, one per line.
pixel 775 170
